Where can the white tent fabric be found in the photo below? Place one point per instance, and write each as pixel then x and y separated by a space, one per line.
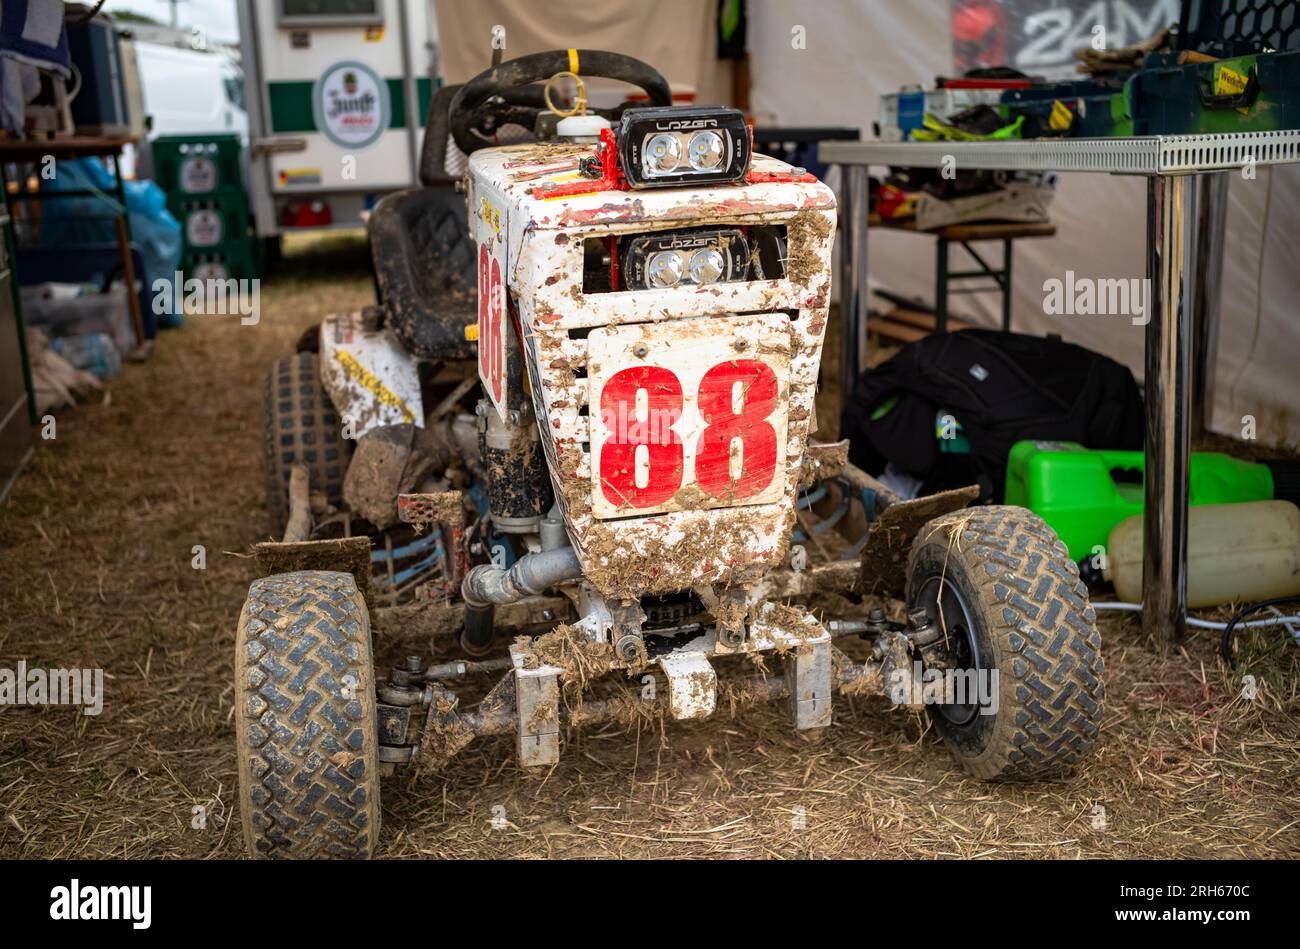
pixel 675 36
pixel 854 50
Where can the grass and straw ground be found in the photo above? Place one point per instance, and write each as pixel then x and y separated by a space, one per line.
pixel 96 547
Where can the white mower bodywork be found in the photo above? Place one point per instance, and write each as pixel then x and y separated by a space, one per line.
pixel 531 266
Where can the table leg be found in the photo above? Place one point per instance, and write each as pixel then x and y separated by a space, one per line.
pixel 941 285
pixel 1171 276
pixel 1212 212
pixel 843 274
pixel 128 277
pixel 1006 285
pixel 853 298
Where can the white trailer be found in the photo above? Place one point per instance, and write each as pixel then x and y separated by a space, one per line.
pixel 337 93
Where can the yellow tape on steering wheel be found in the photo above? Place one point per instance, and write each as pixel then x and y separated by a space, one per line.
pixel 573 61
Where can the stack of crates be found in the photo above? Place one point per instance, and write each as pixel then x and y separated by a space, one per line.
pixel 205 193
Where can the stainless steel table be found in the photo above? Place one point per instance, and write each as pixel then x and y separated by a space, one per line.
pixel 1186 196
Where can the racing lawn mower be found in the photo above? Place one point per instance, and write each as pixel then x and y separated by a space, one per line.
pixel 577 425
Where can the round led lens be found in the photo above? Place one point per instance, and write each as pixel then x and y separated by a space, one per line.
pixel 663 153
pixel 706 265
pixel 705 150
pixel 664 269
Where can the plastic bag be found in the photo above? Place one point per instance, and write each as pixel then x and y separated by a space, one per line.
pixel 89 220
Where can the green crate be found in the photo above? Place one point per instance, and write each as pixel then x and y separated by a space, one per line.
pixel 189 166
pixel 231 262
pixel 1259 93
pixel 207 223
pixel 228 200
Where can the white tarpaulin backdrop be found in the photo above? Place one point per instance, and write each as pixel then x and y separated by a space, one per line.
pixel 858 49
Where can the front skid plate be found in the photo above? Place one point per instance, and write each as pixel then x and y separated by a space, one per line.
pixel 529 703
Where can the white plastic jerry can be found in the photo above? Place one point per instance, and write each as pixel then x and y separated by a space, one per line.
pixel 1235 552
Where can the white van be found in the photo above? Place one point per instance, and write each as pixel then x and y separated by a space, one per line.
pixel 186 92
pixel 337 93
pixel 190 92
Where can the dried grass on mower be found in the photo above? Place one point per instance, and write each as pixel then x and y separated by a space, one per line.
pixel 95 551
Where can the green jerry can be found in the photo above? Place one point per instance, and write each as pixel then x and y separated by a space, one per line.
pixel 1083 493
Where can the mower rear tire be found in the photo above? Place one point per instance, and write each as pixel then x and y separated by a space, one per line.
pixel 300 427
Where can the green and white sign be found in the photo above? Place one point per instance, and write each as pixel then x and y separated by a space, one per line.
pixel 350 105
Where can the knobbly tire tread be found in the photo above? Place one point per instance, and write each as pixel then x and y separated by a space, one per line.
pixel 299 426
pixel 308 751
pixel 1018 579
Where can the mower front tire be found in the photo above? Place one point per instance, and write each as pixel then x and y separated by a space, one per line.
pixel 305 718
pixel 1002 590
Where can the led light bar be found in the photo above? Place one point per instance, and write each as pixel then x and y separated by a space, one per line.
pixel 666 147
pixel 695 257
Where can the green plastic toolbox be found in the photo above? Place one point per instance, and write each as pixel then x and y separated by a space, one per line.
pixel 1083 493
pixel 1255 93
pixel 1080 108
pixel 1104 116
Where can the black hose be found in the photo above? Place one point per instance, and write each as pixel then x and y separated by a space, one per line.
pixel 1225 644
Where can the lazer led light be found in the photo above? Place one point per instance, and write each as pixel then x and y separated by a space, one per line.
pixel 663 154
pixel 661 147
pixel 706 266
pixel 664 269
pixel 697 257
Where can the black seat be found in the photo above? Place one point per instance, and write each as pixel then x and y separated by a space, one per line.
pixel 424 260
pixel 424 255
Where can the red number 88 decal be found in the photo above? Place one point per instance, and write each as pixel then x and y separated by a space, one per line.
pixel 756 385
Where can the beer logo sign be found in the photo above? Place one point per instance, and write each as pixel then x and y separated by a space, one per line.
pixel 351 105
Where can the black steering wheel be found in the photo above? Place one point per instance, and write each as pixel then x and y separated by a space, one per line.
pixel 505 94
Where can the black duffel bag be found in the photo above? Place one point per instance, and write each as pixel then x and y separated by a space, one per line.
pixel 1001 388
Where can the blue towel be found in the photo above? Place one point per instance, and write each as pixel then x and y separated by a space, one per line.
pixel 31 32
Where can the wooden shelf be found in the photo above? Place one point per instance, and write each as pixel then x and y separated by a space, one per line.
pixel 77 146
